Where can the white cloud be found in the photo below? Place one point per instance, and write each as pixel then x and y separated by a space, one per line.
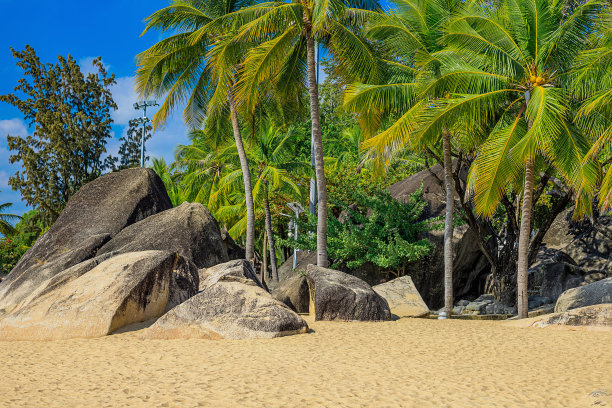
pixel 124 95
pixel 13 127
pixel 87 67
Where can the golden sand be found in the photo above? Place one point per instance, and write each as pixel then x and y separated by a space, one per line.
pixel 406 363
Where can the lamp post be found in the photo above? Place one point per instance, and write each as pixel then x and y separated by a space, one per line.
pixel 297 210
pixel 144 120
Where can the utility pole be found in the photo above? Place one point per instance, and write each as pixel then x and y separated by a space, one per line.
pixel 143 120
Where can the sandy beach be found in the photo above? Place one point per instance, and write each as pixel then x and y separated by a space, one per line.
pixel 405 363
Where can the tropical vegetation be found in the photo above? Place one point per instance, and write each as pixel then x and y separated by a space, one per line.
pixel 511 98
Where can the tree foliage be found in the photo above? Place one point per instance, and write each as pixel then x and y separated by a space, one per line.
pixel 71 117
pixel 374 229
pixel 14 245
pixel 131 145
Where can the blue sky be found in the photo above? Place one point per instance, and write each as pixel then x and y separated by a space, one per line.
pixel 84 29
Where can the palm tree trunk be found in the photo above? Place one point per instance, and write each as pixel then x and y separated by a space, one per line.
pixel 269 232
pixel 318 147
pixel 264 260
pixel 246 176
pixel 448 225
pixel 524 238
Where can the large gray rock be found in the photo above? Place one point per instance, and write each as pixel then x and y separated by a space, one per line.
pixel 433 193
pixel 238 270
pixel 335 295
pixel 94 215
pixel 588 243
pixel 188 229
pixel 595 316
pixel 293 291
pixel 592 294
pixel 230 306
pixel 122 290
pixel 285 271
pixel 403 298
pixel 554 278
pixel 234 251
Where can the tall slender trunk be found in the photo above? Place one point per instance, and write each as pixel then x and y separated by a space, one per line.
pixel 524 238
pixel 269 232
pixel 246 176
pixel 264 259
pixel 318 147
pixel 448 225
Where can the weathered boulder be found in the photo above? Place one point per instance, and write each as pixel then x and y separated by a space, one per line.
pixel 188 229
pixel 592 294
pixel 94 215
pixel 285 271
pixel 293 291
pixel 335 295
pixel 238 270
pixel 587 243
pixel 554 278
pixel 234 251
pixel 593 317
pixel 470 268
pixel 229 307
pixel 433 193
pixel 122 290
pixel 402 297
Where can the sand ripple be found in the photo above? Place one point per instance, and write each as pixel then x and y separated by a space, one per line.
pixel 406 363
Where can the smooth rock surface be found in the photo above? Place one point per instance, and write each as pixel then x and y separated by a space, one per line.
pixel 592 294
pixel 335 295
pixel 595 316
pixel 403 298
pixel 94 215
pixel 293 291
pixel 125 289
pixel 238 270
pixel 228 309
pixel 188 229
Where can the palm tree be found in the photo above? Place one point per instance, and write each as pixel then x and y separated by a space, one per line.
pixel 202 164
pixel 176 192
pixel 196 65
pixel 273 165
pixel 410 36
pixel 592 85
pixel 288 33
pixel 6 219
pixel 511 65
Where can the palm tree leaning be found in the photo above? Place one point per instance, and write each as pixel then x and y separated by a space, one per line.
pixel 181 68
pixel 288 33
pixel 511 65
pixel 410 36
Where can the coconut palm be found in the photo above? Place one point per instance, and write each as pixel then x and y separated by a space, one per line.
pixel 6 219
pixel 511 65
pixel 196 65
pixel 410 35
pixel 202 164
pixel 592 85
pixel 288 33
pixel 176 193
pixel 273 166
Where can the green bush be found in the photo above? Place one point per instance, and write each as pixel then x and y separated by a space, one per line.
pixel 374 228
pixel 14 246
